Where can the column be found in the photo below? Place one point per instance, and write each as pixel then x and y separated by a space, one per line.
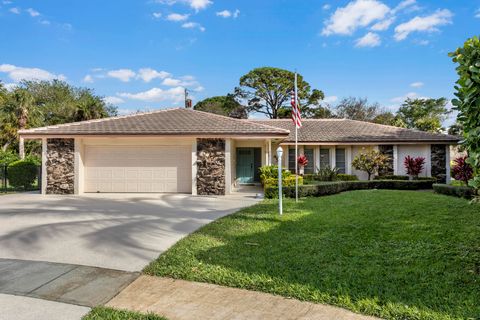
pixel 447 164
pixel 228 166
pixel 44 166
pixel 194 167
pixel 395 160
pixel 21 148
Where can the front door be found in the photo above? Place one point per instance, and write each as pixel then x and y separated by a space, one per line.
pixel 245 165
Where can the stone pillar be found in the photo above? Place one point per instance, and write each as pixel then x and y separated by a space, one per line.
pixel 210 166
pixel 438 160
pixel 60 166
pixel 388 150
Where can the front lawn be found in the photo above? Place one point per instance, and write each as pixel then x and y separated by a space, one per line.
pixel 103 313
pixel 393 254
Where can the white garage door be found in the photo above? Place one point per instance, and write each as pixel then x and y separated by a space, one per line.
pixel 138 169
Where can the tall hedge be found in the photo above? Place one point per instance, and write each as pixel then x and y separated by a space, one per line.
pixel 22 173
pixel 468 101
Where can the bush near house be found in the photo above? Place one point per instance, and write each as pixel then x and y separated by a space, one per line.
pixel 462 170
pixel 325 189
pixel 456 191
pixel 370 162
pixel 346 177
pixel 22 173
pixel 271 172
pixel 329 177
pixel 286 182
pixel 7 157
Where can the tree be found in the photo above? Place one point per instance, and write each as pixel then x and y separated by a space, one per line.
pixel 268 91
pixel 468 101
pixel 456 129
pixel 414 166
pixel 370 162
pixel 40 103
pixel 222 105
pixel 424 114
pixel 357 109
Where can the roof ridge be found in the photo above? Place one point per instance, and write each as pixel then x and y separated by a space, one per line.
pixel 288 119
pixel 236 119
pixel 61 125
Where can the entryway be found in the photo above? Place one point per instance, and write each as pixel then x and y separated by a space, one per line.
pixel 249 161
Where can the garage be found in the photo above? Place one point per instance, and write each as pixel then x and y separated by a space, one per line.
pixel 143 169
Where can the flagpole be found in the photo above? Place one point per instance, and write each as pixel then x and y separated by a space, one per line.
pixel 296 142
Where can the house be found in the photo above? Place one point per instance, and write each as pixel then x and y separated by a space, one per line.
pixel 188 151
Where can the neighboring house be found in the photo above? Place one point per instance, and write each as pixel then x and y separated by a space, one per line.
pixel 187 151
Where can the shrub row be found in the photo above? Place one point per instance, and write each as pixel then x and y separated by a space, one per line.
pixel 288 181
pixel 337 187
pixel 404 178
pixel 22 173
pixel 338 177
pixel 457 191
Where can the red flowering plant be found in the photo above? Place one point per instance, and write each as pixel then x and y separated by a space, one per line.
pixel 461 170
pixel 414 166
pixel 302 160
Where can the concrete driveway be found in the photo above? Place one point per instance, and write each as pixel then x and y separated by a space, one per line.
pixel 118 231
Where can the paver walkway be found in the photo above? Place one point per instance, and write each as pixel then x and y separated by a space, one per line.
pixel 184 300
pixel 67 283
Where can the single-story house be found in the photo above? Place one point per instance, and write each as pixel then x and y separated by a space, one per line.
pixel 187 151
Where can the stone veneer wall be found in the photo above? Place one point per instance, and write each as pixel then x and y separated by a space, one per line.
pixel 439 161
pixel 388 151
pixel 60 166
pixel 210 166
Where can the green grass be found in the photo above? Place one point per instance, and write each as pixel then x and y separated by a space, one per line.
pixel 392 254
pixel 103 313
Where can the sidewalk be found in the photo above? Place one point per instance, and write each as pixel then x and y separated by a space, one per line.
pixel 184 300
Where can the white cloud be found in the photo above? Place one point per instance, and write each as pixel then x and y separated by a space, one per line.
pixel 148 74
pixel 156 95
pixel 20 73
pixel 199 89
pixel 330 99
pixel 113 100
pixel 177 17
pixel 15 10
pixel 194 4
pixel 88 79
pixel 369 40
pixel 417 84
pixel 477 14
pixel 358 13
pixel 224 14
pixel 228 14
pixel 157 15
pixel 383 25
pixel 410 95
pixel 45 22
pixel 171 82
pixel 326 6
pixel 193 25
pixel 412 4
pixel 428 23
pixel 32 12
pixel 121 74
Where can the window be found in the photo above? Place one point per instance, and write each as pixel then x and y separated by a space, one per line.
pixel 291 159
pixel 324 158
pixel 309 168
pixel 340 160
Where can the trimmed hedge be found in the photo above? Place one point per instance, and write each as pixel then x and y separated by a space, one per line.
pixel 22 173
pixel 286 182
pixel 456 191
pixel 337 187
pixel 346 177
pixel 391 178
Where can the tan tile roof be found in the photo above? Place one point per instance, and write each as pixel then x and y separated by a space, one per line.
pixel 163 122
pixel 343 130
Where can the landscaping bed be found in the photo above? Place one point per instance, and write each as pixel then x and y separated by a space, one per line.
pixel 392 254
pixel 329 188
pixel 104 313
pixel 456 191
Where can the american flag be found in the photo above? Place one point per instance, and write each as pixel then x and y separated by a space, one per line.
pixel 296 116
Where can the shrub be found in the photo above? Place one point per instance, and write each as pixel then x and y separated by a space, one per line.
pixel 271 185
pixel 268 172
pixel 302 160
pixel 457 191
pixel 340 186
pixel 414 166
pixel 391 178
pixel 7 157
pixel 461 170
pixel 346 177
pixel 327 174
pixel 22 173
pixel 370 162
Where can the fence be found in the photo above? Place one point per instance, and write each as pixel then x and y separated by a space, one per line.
pixel 6 186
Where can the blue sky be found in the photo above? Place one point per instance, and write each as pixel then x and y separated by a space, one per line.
pixel 139 54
